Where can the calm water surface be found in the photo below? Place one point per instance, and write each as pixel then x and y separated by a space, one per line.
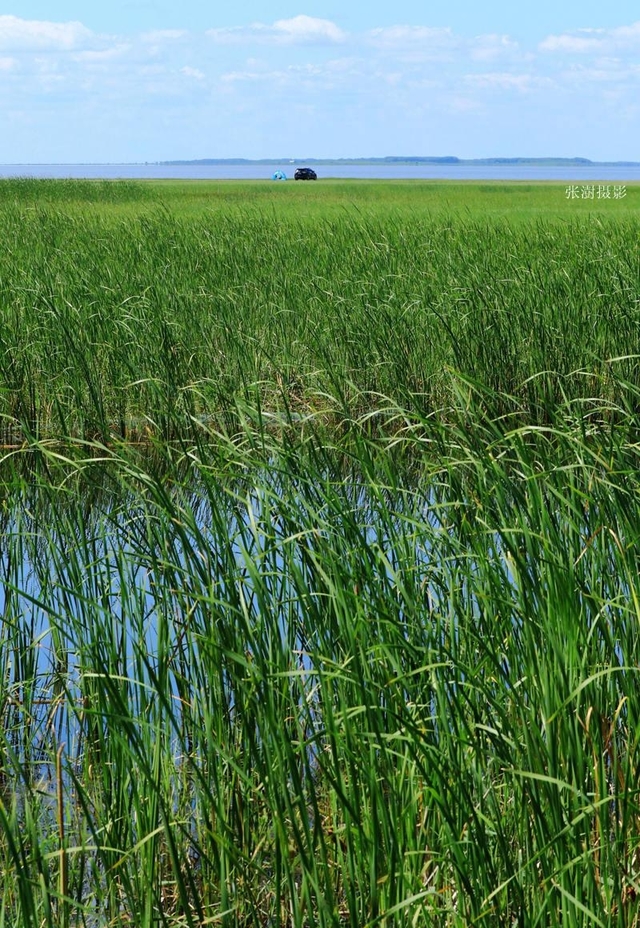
pixel 575 173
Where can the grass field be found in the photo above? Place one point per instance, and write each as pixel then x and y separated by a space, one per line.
pixel 319 591
pixel 134 307
pixel 513 200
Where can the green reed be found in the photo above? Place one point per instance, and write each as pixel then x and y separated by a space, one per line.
pixel 318 583
pixel 34 192
pixel 319 682
pixel 120 324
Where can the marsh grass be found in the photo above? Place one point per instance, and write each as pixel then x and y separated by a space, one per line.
pixel 285 689
pixel 32 192
pixel 124 325
pixel 319 577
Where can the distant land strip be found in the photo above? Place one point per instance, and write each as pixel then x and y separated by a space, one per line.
pixel 406 159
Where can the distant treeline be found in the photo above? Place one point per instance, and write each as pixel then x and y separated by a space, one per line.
pixel 402 159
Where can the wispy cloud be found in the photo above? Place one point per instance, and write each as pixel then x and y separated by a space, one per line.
pixel 93 56
pixel 571 43
pixel 328 75
pixel 395 37
pixel 494 47
pixel 497 80
pixel 23 34
pixel 195 73
pixel 355 85
pixel 599 41
pixel 158 36
pixel 301 30
pixel 604 71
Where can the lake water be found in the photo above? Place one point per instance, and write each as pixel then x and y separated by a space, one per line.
pixel 497 172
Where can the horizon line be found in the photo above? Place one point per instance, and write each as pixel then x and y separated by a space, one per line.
pixel 387 159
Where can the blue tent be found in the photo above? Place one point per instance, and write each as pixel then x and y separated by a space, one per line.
pixel 279 175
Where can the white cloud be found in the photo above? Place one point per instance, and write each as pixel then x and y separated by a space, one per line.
pixel 260 69
pixel 603 71
pixel 498 80
pixel 263 78
pixel 464 105
pixel 105 54
pixel 629 34
pixel 424 43
pixel 331 74
pixel 491 47
pixel 402 36
pixel 26 34
pixel 194 73
pixel 301 30
pixel 307 29
pixel 594 40
pixel 570 43
pixel 234 77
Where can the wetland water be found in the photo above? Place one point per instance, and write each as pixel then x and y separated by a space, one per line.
pixel 498 172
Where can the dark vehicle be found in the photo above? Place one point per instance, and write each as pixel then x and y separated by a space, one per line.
pixel 305 174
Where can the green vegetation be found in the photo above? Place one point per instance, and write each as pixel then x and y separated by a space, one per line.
pixel 124 317
pixel 319 591
pixel 332 197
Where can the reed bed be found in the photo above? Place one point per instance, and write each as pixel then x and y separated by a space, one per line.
pixel 119 324
pixel 319 598
pixel 267 682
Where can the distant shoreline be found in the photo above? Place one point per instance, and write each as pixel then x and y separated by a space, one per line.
pixel 391 160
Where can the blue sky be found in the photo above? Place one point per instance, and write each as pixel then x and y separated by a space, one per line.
pixel 149 80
